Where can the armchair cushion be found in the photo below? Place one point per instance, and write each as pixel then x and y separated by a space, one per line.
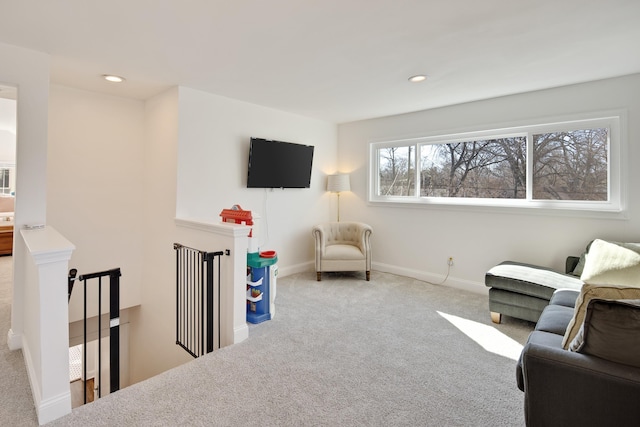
pixel 342 252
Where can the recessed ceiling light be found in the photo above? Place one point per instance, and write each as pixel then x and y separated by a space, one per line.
pixel 417 78
pixel 112 78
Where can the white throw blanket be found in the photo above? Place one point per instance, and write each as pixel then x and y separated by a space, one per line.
pixel 610 263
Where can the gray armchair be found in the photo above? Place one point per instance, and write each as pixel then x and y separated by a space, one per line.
pixel 342 246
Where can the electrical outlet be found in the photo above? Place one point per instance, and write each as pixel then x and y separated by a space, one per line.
pixel 450 261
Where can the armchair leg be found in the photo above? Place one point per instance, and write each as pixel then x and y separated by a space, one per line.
pixel 368 276
pixel 318 276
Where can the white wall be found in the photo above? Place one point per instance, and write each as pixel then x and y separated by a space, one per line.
pixel 418 241
pixel 213 154
pixel 29 71
pixel 113 179
pixel 95 187
pixel 197 148
pixel 153 348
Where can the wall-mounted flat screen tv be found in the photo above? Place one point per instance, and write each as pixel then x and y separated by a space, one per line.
pixel 277 164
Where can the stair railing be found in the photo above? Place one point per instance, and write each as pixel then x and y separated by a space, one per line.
pixel 114 325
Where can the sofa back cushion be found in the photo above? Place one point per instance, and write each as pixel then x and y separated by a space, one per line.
pixel 588 293
pixel 611 331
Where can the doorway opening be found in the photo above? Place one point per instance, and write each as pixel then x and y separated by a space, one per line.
pixel 8 140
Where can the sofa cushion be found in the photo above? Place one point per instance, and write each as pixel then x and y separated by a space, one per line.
pixel 588 293
pixel 611 331
pixel 565 297
pixel 555 319
pixel 611 263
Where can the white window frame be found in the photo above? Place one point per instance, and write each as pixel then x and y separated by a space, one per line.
pixel 615 207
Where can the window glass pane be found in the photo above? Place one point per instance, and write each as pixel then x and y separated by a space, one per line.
pixel 4 181
pixel 396 171
pixel 571 165
pixel 493 168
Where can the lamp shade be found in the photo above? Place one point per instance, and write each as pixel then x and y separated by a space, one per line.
pixel 338 182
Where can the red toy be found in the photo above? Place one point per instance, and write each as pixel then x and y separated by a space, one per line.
pixel 236 215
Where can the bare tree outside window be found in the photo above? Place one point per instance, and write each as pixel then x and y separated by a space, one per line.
pixel 571 165
pixel 494 168
pixel 396 171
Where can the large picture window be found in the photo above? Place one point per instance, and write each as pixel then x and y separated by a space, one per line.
pixel 566 165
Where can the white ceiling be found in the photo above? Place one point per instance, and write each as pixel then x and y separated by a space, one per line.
pixel 336 60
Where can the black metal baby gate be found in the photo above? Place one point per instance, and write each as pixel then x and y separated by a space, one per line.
pixel 196 283
pixel 114 325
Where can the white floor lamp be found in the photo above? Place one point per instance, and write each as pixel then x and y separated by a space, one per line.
pixel 338 183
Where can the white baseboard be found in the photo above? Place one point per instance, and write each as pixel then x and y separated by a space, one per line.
pixel 240 333
pixel 298 268
pixel 48 409
pixel 31 373
pixel 452 282
pixel 14 340
pixel 54 407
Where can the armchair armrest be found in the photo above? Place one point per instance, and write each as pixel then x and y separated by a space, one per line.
pixel 574 389
pixel 366 231
pixel 319 238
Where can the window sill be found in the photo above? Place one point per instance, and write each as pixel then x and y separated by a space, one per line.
pixel 506 207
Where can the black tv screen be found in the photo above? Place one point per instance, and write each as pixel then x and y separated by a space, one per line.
pixel 277 164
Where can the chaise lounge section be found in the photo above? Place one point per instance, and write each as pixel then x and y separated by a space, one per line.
pixel 524 290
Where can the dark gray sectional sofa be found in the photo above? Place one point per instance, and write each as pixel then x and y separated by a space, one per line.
pixel 581 364
pixel 583 387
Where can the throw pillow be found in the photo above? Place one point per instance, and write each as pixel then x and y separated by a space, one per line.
pixel 589 292
pixel 611 331
pixel 610 263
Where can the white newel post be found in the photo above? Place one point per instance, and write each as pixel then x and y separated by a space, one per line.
pixel 45 338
